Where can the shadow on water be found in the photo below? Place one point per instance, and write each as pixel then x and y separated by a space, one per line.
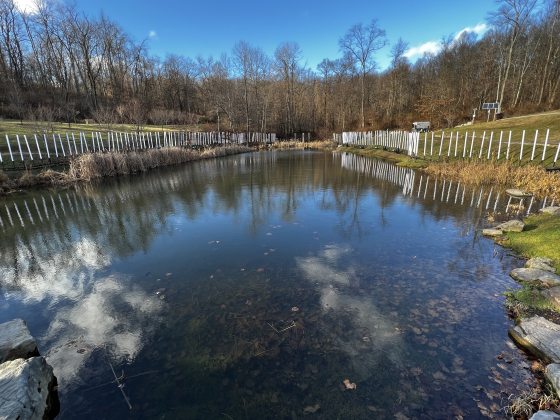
pixel 252 286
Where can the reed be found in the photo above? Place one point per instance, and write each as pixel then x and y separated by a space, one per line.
pixel 531 178
pixel 98 165
pixel 294 144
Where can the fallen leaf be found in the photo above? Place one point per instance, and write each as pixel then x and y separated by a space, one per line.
pixel 348 384
pixel 310 409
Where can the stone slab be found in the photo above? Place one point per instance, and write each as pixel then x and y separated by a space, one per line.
pixel 552 373
pixel 492 232
pixel 16 341
pixel 539 337
pixel 511 226
pixel 535 277
pixel 541 264
pixel 545 415
pixel 554 210
pixel 28 390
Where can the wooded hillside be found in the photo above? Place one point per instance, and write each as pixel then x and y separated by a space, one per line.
pixel 58 64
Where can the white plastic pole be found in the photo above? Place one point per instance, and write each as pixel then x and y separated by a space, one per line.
pixel 9 147
pixel 545 144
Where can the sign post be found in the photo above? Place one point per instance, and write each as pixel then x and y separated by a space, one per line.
pixel 491 106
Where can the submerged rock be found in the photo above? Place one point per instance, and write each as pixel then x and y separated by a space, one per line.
pixel 511 226
pixel 492 232
pixel 28 389
pixel 541 264
pixel 554 210
pixel 538 336
pixel 16 341
pixel 552 373
pixel 535 277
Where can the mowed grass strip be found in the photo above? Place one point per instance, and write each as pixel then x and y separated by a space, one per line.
pixel 541 238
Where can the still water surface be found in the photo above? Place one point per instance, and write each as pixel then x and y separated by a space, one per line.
pixel 252 286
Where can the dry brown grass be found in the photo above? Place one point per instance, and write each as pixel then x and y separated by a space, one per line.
pixel 524 405
pixel 99 165
pixel 292 144
pixel 529 178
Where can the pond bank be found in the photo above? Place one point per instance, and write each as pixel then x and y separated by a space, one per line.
pixel 539 236
pixel 98 165
pixel 536 305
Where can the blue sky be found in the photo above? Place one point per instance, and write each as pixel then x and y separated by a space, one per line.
pixel 211 27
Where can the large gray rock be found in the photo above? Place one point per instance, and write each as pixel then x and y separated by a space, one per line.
pixel 552 373
pixel 535 277
pixel 541 263
pixel 539 337
pixel 555 210
pixel 553 296
pixel 28 390
pixel 545 415
pixel 16 341
pixel 511 226
pixel 492 232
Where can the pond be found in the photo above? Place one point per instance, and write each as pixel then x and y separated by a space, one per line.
pixel 253 286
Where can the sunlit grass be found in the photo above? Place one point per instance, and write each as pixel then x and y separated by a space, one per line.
pixel 541 238
pixel 399 158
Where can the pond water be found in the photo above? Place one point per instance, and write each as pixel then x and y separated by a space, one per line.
pixel 252 286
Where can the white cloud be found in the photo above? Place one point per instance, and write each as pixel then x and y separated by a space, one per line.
pixel 152 34
pixel 434 47
pixel 478 30
pixel 28 7
pixel 430 47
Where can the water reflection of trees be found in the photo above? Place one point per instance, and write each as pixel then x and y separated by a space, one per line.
pixel 123 216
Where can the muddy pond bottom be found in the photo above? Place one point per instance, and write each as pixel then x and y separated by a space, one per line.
pixel 264 285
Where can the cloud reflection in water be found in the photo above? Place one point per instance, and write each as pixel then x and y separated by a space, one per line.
pixel 374 337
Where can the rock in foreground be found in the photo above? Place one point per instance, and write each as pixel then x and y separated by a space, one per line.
pixel 535 277
pixel 554 210
pixel 545 415
pixel 511 226
pixel 492 232
pixel 28 390
pixel 16 341
pixel 552 373
pixel 541 263
pixel 539 337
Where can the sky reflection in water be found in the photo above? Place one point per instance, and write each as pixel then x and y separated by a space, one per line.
pixel 252 286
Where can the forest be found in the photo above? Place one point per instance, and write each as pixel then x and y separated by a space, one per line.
pixel 58 64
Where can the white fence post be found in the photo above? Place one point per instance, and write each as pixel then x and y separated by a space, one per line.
pixel 545 144
pixel 534 144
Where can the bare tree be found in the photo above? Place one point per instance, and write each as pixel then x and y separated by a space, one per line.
pixel 361 42
pixel 512 16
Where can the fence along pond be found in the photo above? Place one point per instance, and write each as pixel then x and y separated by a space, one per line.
pixel 49 207
pixel 56 147
pixel 490 145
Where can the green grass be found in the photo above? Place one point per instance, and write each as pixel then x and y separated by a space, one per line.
pixel 515 125
pixel 399 159
pixel 541 238
pixel 531 298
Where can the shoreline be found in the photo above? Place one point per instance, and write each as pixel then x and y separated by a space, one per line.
pixel 536 240
pixel 109 164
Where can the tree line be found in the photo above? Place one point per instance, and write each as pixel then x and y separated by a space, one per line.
pixel 58 64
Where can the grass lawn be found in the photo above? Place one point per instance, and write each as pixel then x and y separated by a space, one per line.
pixel 398 158
pixel 486 143
pixel 541 238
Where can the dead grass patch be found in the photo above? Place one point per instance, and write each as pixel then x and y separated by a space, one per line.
pixel 531 178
